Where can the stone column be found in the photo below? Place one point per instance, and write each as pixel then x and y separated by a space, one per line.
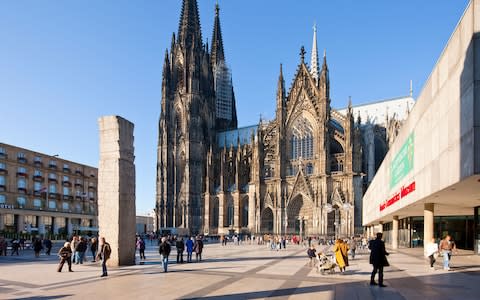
pixel 395 233
pixel 427 222
pixel 379 228
pixel 68 223
pixel 2 222
pixel 206 213
pixel 55 225
pixel 116 189
pixel 236 210
pixel 20 223
pixel 41 225
pixel 251 209
pixel 221 224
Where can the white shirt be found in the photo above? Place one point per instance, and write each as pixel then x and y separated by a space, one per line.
pixel 431 249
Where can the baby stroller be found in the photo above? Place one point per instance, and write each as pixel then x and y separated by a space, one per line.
pixel 325 264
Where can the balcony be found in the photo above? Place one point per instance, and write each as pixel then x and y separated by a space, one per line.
pixel 38 164
pixel 66 170
pixel 78 184
pixel 22 190
pixel 2 188
pixel 91 187
pixel 67 197
pixel 3 156
pixel 66 183
pixel 78 197
pixel 54 196
pixel 22 160
pixel 52 179
pixel 78 172
pixel 3 171
pixel 52 166
pixel 22 174
pixel 91 198
pixel 38 178
pixel 37 193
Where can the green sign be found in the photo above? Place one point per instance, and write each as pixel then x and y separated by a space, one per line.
pixel 402 164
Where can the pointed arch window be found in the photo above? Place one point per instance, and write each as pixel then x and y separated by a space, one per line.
pixel 301 139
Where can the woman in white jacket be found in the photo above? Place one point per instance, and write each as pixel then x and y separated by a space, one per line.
pixel 431 251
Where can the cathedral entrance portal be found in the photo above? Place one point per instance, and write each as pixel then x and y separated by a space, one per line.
pixel 299 216
pixel 266 225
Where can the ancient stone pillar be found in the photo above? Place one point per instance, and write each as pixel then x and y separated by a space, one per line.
pixel 427 222
pixel 116 189
pixel 395 232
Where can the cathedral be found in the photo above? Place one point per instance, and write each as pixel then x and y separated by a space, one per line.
pixel 302 173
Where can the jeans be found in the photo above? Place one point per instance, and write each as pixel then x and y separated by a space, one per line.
pixel 432 260
pixel 164 262
pixel 79 257
pixel 446 259
pixel 104 267
pixel 180 256
pixel 189 256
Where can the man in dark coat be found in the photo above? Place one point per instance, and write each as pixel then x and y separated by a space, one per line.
pixel 164 251
pixel 180 248
pixel 378 258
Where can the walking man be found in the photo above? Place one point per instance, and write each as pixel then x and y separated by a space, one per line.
pixel 164 251
pixel 180 248
pixel 104 255
pixel 378 258
pixel 446 247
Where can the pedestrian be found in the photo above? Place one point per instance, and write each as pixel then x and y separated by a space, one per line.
pixel 15 246
pixel 446 247
pixel 104 255
pixel 353 246
pixel 37 247
pixel 48 246
pixel 65 255
pixel 344 250
pixel 141 247
pixel 189 244
pixel 3 246
pixel 93 248
pixel 180 248
pixel 311 252
pixel 378 258
pixel 431 251
pixel 80 250
pixel 284 243
pixel 338 249
pixel 198 248
pixel 164 251
pixel 73 245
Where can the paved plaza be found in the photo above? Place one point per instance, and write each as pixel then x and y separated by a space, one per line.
pixel 239 272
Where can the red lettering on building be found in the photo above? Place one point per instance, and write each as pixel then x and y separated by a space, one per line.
pixel 404 191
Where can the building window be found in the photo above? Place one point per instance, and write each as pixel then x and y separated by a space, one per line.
pixel 52 204
pixel 37 186
pixel 309 169
pixel 52 176
pixel 52 164
pixel 65 178
pixel 21 201
pixel 52 188
pixel 3 152
pixel 37 203
pixel 37 159
pixel 66 191
pixel 37 173
pixel 22 170
pixel 91 195
pixel 78 208
pixel 65 205
pixel 21 157
pixel 21 183
pixel 2 166
pixel 301 139
pixel 2 180
pixel 3 199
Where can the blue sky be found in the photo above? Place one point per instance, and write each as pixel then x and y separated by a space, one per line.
pixel 63 64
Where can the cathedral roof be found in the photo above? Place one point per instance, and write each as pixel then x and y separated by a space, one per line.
pixel 232 137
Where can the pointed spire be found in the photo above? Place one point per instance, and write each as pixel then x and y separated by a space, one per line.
pixel 217 41
pixel 324 65
pixel 280 88
pixel 166 67
pixel 314 65
pixel 189 31
pixel 302 54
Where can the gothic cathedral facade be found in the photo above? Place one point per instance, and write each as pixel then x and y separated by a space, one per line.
pixel 300 173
